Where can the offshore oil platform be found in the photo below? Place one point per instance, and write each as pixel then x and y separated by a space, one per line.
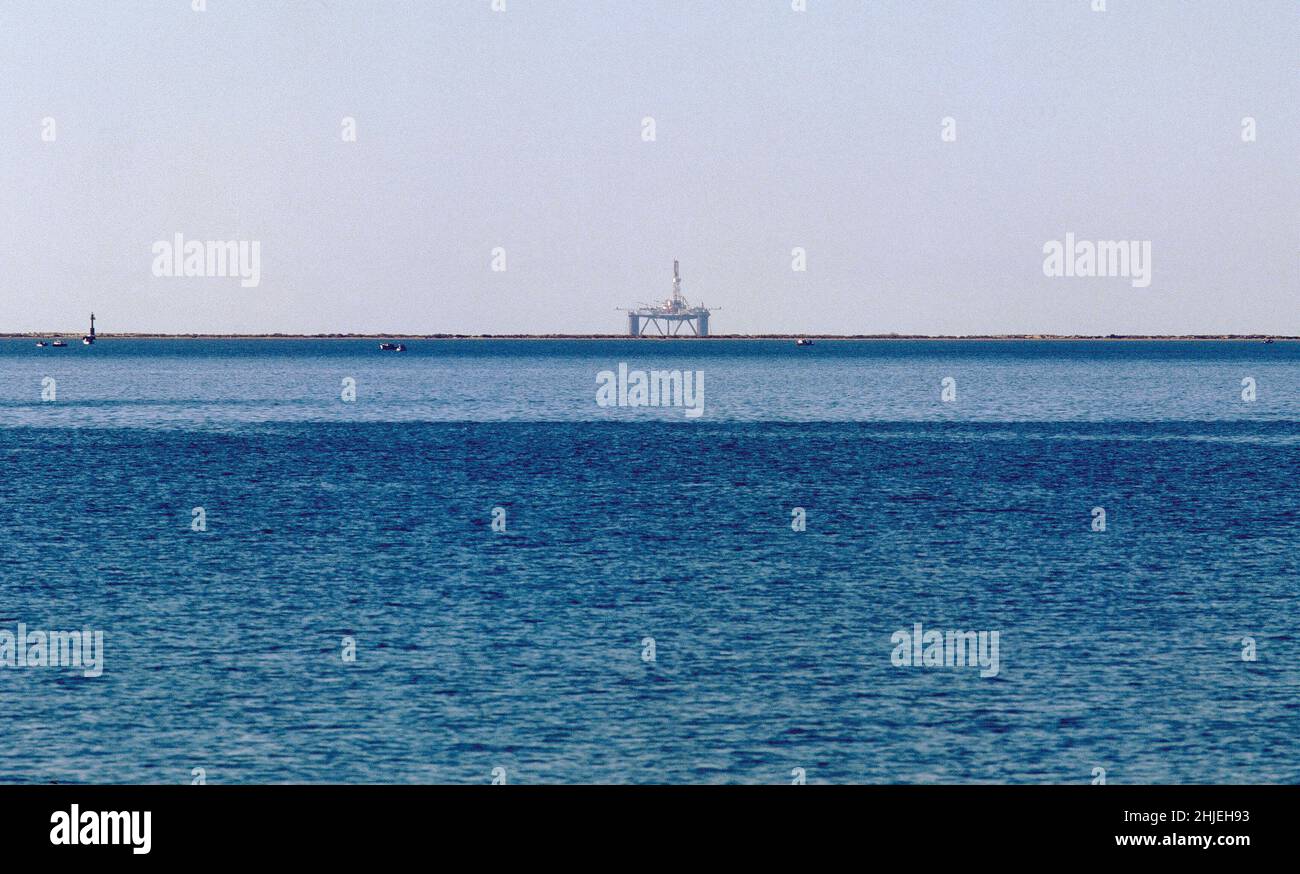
pixel 669 316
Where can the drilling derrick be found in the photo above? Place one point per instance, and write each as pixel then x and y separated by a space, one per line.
pixel 668 317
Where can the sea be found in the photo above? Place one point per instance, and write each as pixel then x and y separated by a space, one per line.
pixel 312 561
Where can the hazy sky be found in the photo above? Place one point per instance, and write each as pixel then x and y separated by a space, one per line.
pixel 774 129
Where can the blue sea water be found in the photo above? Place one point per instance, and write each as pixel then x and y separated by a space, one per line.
pixel 477 649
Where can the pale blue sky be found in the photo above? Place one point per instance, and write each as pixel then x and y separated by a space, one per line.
pixel 775 129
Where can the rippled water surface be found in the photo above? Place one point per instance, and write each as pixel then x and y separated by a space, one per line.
pixel 524 649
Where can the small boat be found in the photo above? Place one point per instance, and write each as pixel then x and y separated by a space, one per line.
pixel 803 341
pixel 392 347
pixel 41 344
pixel 1268 339
pixel 58 344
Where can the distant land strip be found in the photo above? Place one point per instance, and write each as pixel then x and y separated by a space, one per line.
pixel 135 336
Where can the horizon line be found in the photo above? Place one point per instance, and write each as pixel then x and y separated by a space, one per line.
pixel 28 335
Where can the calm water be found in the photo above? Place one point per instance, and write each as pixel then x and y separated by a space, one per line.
pixel 523 649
